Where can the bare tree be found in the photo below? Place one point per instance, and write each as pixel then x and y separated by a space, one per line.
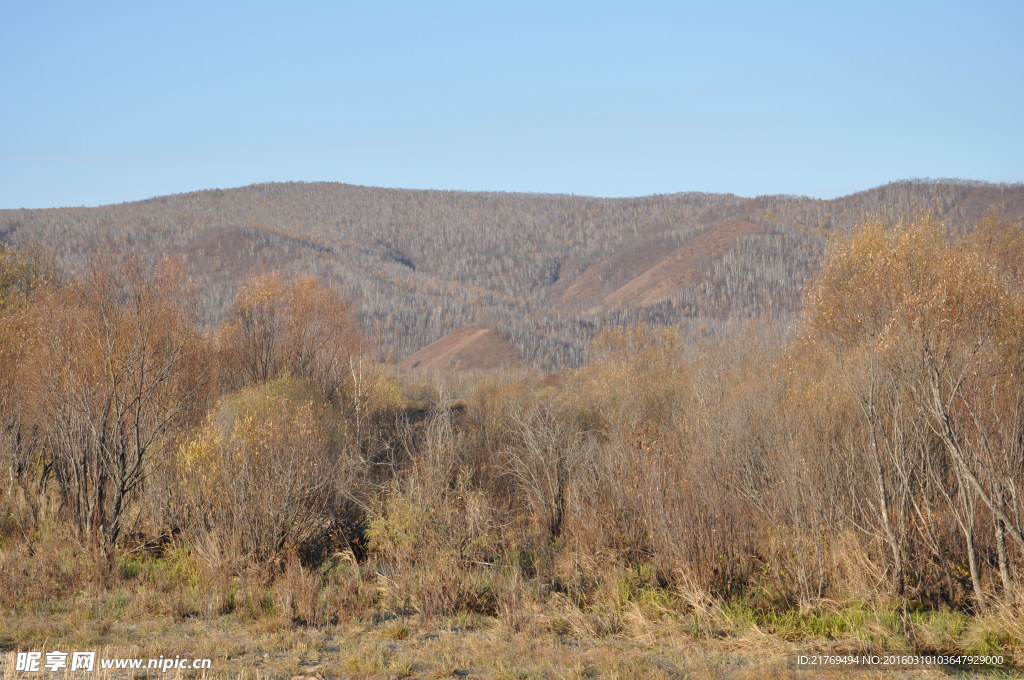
pixel 119 372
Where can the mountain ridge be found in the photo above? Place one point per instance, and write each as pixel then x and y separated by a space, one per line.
pixel 494 192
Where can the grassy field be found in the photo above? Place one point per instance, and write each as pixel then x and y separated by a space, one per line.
pixel 341 624
pixel 463 646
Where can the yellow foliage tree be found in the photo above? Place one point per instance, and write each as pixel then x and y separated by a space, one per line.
pixel 301 327
pixel 268 470
pixel 928 329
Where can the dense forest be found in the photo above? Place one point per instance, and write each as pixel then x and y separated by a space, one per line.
pixel 548 272
pixel 857 476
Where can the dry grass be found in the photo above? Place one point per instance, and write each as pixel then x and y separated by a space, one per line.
pixel 441 649
pixel 624 630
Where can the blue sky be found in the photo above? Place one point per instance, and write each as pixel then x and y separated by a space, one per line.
pixel 108 102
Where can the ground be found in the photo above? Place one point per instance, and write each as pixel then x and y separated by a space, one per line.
pixel 469 646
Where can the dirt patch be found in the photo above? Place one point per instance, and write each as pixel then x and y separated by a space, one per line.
pixel 601 278
pixel 471 348
pixel 682 267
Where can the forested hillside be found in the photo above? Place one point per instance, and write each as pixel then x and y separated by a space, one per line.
pixel 547 272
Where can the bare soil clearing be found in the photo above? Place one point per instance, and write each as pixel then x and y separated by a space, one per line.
pixel 467 349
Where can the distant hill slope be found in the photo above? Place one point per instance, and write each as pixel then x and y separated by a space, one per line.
pixel 546 272
pixel 683 268
pixel 468 349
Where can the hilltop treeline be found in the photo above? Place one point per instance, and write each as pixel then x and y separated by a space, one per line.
pixel 421 264
pixel 873 457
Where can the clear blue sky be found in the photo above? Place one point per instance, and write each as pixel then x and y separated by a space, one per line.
pixel 108 102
